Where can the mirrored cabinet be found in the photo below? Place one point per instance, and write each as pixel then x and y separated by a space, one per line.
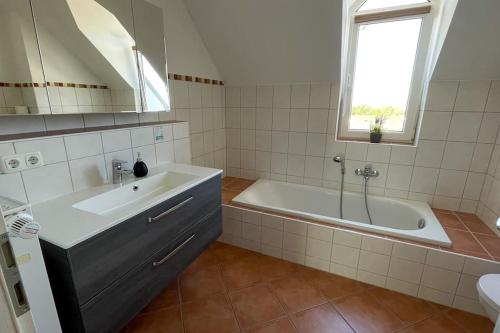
pixel 84 56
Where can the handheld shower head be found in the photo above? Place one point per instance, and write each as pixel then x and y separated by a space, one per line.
pixel 340 159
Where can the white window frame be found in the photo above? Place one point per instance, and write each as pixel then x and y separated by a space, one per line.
pixel 413 109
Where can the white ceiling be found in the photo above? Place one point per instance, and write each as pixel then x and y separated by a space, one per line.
pixel 271 41
pixel 280 41
pixel 471 50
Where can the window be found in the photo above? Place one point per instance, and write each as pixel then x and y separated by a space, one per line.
pixel 383 74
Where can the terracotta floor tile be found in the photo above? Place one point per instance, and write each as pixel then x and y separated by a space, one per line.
pixel 450 221
pixel 332 286
pixel 491 243
pixel 209 315
pixel 366 315
pixel 228 195
pixel 408 309
pixel 207 259
pixel 440 324
pixel 225 252
pixel 241 273
pixel 279 326
pixel 483 255
pixel 239 185
pixel 474 223
pixel 169 297
pixel 201 283
pixel 271 268
pixel 162 321
pixel 228 180
pixel 323 318
pixel 255 306
pixel 470 321
pixel 296 293
pixel 463 240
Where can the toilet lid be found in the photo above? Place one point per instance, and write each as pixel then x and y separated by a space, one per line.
pixel 489 286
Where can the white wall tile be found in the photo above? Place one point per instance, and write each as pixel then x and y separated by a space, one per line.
pixel 430 153
pixel 272 237
pixel 378 153
pixel 435 296
pixel 83 145
pixel 371 278
pixel 272 222
pixel 458 155
pixel 345 255
pixel 472 96
pixel 374 262
pixel 300 96
pixel 116 140
pixel 298 120
pixel 297 143
pixel 451 183
pixel 464 126
pixel 281 96
pixel 403 155
pixel 399 177
pixel 405 270
pixel 165 152
pixel 435 125
pixel 317 121
pixel 47 182
pixel 13 187
pixel 347 238
pixel 88 172
pixel 52 149
pixel 424 180
pixel 319 249
pixel 409 252
pixel 264 96
pixel 320 95
pixel 294 243
pixel 441 96
pixel 440 279
pixel 320 232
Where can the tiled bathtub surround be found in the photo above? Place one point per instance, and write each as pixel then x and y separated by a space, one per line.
pixel 431 274
pixel 287 132
pixel 79 161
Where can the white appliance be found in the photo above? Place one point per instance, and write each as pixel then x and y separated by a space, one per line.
pixel 24 276
pixel 488 288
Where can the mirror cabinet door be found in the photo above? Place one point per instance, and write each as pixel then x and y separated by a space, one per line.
pixel 88 53
pixel 22 85
pixel 149 32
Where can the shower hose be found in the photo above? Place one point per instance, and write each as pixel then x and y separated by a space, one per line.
pixel 366 200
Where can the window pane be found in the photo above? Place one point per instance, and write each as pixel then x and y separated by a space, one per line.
pixel 378 4
pixel 383 72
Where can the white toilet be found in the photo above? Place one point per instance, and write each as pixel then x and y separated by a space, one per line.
pixel 488 288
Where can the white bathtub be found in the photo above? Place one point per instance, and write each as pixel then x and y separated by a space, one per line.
pixel 394 217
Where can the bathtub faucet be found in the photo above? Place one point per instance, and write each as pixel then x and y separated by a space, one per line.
pixel 367 172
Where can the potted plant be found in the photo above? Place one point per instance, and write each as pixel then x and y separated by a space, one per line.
pixel 376 130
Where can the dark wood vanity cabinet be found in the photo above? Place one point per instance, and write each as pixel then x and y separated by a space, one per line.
pixel 102 283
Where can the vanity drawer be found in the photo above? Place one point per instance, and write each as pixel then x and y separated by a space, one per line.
pixel 103 259
pixel 111 310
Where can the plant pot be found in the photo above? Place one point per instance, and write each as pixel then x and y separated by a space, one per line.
pixel 375 137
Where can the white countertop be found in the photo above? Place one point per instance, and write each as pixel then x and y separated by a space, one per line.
pixel 65 226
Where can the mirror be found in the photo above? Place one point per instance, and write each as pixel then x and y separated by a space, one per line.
pixel 22 85
pixel 149 32
pixel 88 55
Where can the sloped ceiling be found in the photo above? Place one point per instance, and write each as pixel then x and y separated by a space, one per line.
pixel 471 50
pixel 271 41
pixel 274 41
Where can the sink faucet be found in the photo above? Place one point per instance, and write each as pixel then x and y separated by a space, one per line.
pixel 119 171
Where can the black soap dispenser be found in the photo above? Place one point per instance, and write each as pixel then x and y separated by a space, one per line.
pixel 140 168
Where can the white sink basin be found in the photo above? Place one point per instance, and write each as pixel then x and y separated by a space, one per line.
pixel 135 193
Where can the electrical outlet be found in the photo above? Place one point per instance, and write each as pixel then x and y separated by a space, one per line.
pixel 12 163
pixel 33 160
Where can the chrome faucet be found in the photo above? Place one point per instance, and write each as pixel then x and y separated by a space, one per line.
pixel 340 159
pixel 367 172
pixel 119 171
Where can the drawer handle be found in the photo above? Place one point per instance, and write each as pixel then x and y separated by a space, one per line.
pixel 170 210
pixel 174 251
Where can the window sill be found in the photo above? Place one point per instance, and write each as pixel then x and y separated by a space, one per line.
pixel 382 142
